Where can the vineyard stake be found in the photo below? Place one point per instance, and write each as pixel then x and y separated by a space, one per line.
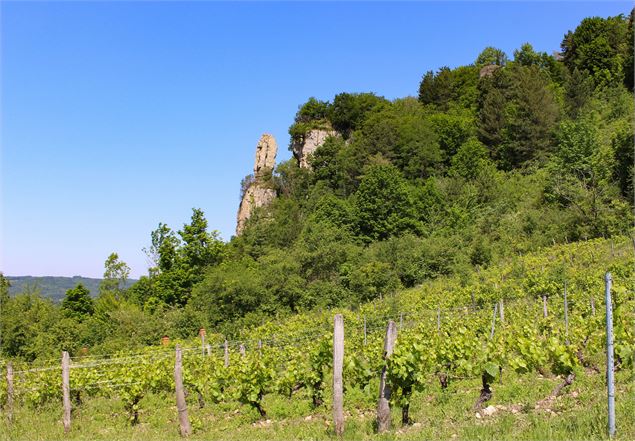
pixel 364 330
pixel 181 405
pixel 383 406
pixel 566 315
pixel 66 392
pixel 544 306
pixel 592 305
pixel 226 354
pixel 338 364
pixel 502 311
pixel 259 347
pixel 491 334
pixel 610 380
pixel 10 392
pixel 439 321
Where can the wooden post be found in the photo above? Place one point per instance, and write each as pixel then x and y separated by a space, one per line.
pixel 544 306
pixel 383 406
pixel 338 364
pixel 66 392
pixel 502 311
pixel 181 405
pixel 10 392
pixel 260 347
pixel 364 330
pixel 226 354
pixel 439 321
pixel 401 320
pixel 592 305
pixel 201 333
pixel 242 349
pixel 491 334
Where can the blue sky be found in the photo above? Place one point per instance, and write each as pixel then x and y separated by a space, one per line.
pixel 119 115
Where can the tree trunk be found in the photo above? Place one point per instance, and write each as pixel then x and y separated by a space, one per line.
pixel 486 393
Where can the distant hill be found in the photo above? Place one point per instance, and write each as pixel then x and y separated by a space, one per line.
pixel 54 287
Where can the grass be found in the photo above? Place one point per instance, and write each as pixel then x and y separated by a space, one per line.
pixel 579 413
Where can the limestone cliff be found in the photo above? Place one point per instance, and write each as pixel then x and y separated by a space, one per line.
pixel 257 190
pixel 305 147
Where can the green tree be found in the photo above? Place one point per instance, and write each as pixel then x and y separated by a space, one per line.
pixel 518 116
pixel 77 303
pixel 581 179
pixel 115 275
pixel 349 110
pixel 384 204
pixel 200 248
pixel 600 47
pixel 491 55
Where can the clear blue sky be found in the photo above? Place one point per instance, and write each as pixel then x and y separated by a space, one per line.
pixel 117 116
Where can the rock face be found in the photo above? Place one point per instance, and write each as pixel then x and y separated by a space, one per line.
pixel 488 71
pixel 265 154
pixel 258 191
pixel 302 149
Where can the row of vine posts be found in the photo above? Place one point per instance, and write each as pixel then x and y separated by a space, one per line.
pixel 383 404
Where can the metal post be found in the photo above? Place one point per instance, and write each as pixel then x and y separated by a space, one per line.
pixel 338 365
pixel 610 380
pixel 491 334
pixel 566 315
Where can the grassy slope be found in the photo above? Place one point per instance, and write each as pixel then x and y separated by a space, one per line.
pixel 580 413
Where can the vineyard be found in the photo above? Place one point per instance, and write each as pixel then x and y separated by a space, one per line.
pixel 532 325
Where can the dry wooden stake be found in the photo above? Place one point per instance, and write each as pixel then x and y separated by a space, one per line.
pixel 338 364
pixel 383 406
pixel 66 392
pixel 10 392
pixel 491 334
pixel 226 354
pixel 502 311
pixel 544 306
pixel 364 330
pixel 181 405
pixel 439 321
pixel 592 306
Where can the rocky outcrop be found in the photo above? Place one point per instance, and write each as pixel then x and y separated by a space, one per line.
pixel 265 154
pixel 257 189
pixel 488 71
pixel 305 147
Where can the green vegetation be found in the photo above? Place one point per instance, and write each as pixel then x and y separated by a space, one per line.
pixel 435 373
pixel 504 180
